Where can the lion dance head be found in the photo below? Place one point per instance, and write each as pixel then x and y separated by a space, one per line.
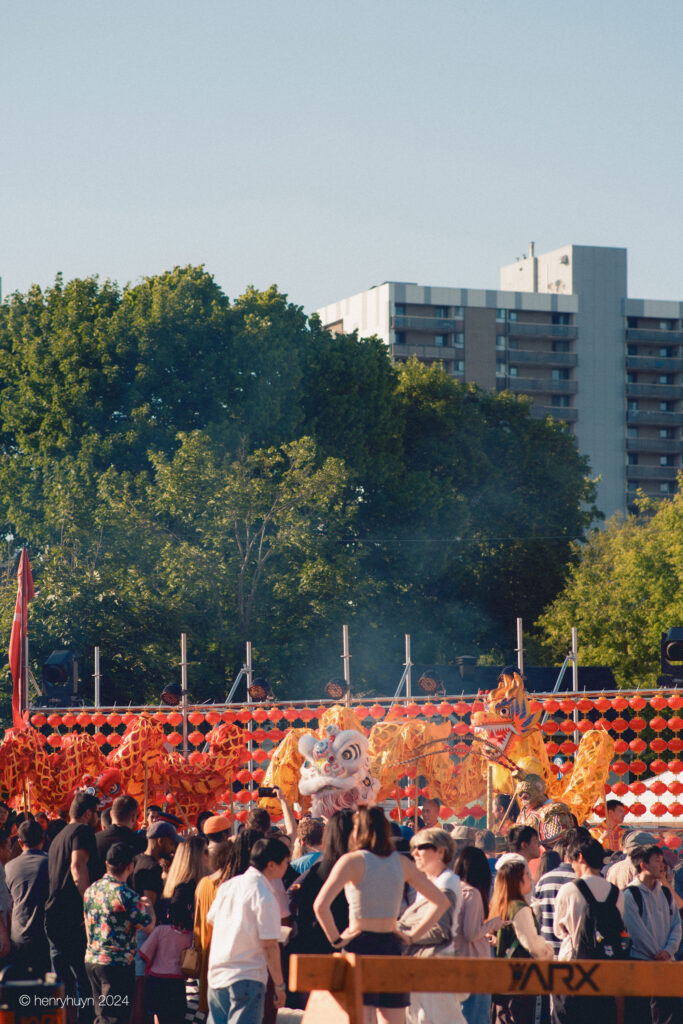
pixel 336 771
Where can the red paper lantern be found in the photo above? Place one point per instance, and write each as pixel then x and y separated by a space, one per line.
pixel 676 723
pixel 602 705
pixel 196 738
pixel 637 702
pixel 619 767
pixel 659 809
pixel 675 787
pixel 638 746
pixel 290 715
pixel 244 716
pixel 114 720
pixel 54 721
pixel 675 745
pixel 275 715
pixel 673 841
pixel 258 775
pixel 477 811
pixel 638 724
pixel 376 711
pixel 638 767
pixel 114 739
pixel 174 738
pixel 637 788
pixel 637 810
pixel 395 814
pixel 620 725
pixel 260 715
pixel 54 739
pixel 195 717
pixel 213 718
pixel 551 706
pixel 244 796
pixel 658 723
pixel 229 717
pixel 584 725
pixel 260 755
pixel 175 719
pixel 658 787
pixel 568 748
pixel 242 816
pixel 461 708
pixel 658 766
pixel 552 749
pixel 38 720
pixel 567 706
pixel 658 746
pixel 676 766
pixel 535 706
pixel 445 709
pixel 620 788
pixel 675 702
pixel 98 719
pixel 550 727
pixel 676 809
pixel 619 704
pixel 461 729
pixel 620 747
pixel 100 739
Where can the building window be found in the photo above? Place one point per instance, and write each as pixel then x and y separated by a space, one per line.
pixel 665 378
pixel 666 460
pixel 459 365
pixel 400 338
pixel 667 488
pixel 400 309
pixel 632 350
pixel 632 431
pixel 632 322
pixel 666 325
pixel 632 459
pixel 501 370
pixel 458 312
pixel 441 340
pixel 560 318
pixel 513 315
pixel 560 374
pixel 560 346
pixel 666 433
pixel 459 340
pixel 501 316
pixel 513 371
pixel 665 352
pixel 513 343
pixel 560 401
pixel 440 312
pixel 632 378
pixel 501 341
pixel 666 407
pixel 633 405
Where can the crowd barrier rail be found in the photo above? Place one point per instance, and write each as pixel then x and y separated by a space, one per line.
pixel 337 982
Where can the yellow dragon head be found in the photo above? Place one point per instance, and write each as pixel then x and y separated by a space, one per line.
pixel 507 713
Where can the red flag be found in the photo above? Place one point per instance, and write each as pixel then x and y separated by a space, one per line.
pixel 17 646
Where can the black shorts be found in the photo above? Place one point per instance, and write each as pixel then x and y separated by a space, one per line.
pixel 166 998
pixel 380 944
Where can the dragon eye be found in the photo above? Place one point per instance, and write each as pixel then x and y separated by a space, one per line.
pixel 504 712
pixel 351 752
pixel 347 755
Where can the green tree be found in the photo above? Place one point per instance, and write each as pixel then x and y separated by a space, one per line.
pixel 623 591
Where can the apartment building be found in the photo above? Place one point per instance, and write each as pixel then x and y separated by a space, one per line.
pixel 562 330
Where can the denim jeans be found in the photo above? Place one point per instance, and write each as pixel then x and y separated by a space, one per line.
pixel 477 1008
pixel 240 1003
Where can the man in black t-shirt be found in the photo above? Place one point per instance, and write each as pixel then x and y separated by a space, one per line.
pixel 72 866
pixel 124 816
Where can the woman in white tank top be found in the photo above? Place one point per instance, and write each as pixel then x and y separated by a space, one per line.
pixel 373 876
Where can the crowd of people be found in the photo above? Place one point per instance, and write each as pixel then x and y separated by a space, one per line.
pixel 128 917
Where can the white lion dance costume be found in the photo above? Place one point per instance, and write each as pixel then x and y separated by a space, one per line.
pixel 336 771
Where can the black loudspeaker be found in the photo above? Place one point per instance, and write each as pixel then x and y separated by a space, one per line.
pixel 671 656
pixel 60 673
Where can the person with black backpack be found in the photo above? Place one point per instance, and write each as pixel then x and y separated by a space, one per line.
pixel 654 924
pixel 588 921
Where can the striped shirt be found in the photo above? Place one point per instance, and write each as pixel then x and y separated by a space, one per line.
pixel 547 888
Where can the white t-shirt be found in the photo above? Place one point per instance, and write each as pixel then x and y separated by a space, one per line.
pixel 244 914
pixel 570 906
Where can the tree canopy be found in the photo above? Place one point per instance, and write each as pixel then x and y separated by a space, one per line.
pixel 624 590
pixel 177 461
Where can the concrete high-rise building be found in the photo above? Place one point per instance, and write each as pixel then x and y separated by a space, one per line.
pixel 561 330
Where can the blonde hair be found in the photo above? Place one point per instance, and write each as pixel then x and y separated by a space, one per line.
pixel 188 864
pixel 439 838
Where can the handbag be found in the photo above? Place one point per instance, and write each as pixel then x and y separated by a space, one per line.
pixel 191 962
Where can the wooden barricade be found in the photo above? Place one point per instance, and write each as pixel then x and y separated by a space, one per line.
pixel 337 982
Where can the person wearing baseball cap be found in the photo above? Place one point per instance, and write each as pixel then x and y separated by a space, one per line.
pixel 623 872
pixel 217 828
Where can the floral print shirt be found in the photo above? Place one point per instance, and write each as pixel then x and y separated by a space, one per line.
pixel 113 914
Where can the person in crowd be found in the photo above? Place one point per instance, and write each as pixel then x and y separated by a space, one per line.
pixel 523 839
pixel 202 818
pixel 217 831
pixel 654 924
pixel 432 850
pixel 54 827
pixel 259 819
pixel 190 864
pixel 462 836
pixel 429 811
pixel 586 856
pixel 611 832
pixel 502 823
pixel 474 924
pixel 5 898
pixel 245 942
pixel 622 872
pixel 113 915
pixel 310 839
pixel 373 877
pixel 105 818
pixel 147 879
pixel 486 841
pixel 548 861
pixel 27 880
pixel 124 817
pixel 5 814
pixel 308 936
pixel 518 936
pixel 72 865
pixel 550 883
pixel 154 813
pixel 162 951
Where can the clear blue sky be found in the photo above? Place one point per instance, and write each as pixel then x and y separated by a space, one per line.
pixel 330 145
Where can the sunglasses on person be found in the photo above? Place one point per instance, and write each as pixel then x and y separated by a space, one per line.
pixel 424 846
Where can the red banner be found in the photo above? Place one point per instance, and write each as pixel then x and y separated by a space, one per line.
pixel 17 644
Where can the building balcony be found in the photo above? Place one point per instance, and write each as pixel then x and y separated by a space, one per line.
pixel 654 418
pixel 564 359
pixel 432 324
pixel 653 444
pixel 447 353
pixel 539 412
pixel 660 337
pixel 651 472
pixel 663 364
pixel 533 386
pixel 517 329
pixel 662 392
